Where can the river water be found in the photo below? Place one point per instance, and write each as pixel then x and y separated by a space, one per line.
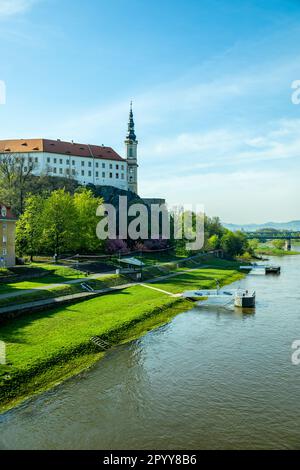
pixel 213 378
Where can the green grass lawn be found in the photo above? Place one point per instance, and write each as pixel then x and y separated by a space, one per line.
pixel 269 250
pixel 46 347
pixel 57 275
pixel 64 289
pixel 37 343
pixel 198 279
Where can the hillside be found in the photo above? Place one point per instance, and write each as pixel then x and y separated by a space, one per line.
pixel 293 225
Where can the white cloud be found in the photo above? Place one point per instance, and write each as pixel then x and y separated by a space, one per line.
pixel 13 7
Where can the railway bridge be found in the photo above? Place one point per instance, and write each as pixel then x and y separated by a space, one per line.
pixel 265 236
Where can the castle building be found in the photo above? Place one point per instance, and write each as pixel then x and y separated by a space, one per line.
pixel 7 237
pixel 88 164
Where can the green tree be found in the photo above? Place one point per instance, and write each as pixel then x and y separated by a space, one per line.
pixel 60 229
pixel 279 244
pixel 15 173
pixel 86 221
pixel 30 227
pixel 234 243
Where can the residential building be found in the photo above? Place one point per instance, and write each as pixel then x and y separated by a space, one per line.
pixel 7 237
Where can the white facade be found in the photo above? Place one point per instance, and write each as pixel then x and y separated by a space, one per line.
pixel 83 169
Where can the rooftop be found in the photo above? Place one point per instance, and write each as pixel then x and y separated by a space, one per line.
pixel 59 147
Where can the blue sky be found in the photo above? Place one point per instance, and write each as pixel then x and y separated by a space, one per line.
pixel 211 84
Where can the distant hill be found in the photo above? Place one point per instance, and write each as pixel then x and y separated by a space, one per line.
pixel 293 225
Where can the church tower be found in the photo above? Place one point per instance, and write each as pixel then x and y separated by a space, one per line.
pixel 131 146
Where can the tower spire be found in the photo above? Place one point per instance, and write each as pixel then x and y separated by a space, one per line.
pixel 131 131
pixel 131 150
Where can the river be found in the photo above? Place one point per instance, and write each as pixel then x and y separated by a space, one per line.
pixel 210 379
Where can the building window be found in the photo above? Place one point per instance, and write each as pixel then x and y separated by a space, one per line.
pixel 25 169
pixel 73 162
pixel 60 171
pixel 54 170
pixel 90 173
pixel 110 175
pixel 90 164
pixel 48 160
pixel 103 174
pixel 117 167
pixel 82 163
pixel 117 176
pixel 82 172
pixel 97 165
pixel 36 160
pixel 73 172
pixel 55 160
pixel 122 167
pixel 68 162
pixel 97 174
pixel 110 166
pixel 122 176
pixel 61 161
pixel 103 165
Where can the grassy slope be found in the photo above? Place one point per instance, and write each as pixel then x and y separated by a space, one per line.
pixel 198 279
pixel 46 348
pixel 65 289
pixel 272 251
pixel 37 344
pixel 57 274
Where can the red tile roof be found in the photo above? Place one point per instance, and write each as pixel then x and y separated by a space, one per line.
pixel 9 214
pixel 59 147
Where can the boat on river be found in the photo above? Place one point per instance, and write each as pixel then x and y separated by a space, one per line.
pixel 255 268
pixel 239 297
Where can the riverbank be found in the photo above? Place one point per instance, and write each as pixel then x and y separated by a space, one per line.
pixel 272 251
pixel 47 348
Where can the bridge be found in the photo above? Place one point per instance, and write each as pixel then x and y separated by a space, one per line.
pixel 264 236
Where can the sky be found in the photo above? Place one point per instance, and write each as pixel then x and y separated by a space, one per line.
pixel 211 82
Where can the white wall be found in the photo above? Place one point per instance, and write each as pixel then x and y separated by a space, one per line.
pixel 85 170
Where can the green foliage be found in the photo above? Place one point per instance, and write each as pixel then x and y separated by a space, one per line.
pixel 59 223
pixel 279 244
pixel 86 221
pixel 234 243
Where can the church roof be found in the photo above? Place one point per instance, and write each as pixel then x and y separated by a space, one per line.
pixel 59 147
